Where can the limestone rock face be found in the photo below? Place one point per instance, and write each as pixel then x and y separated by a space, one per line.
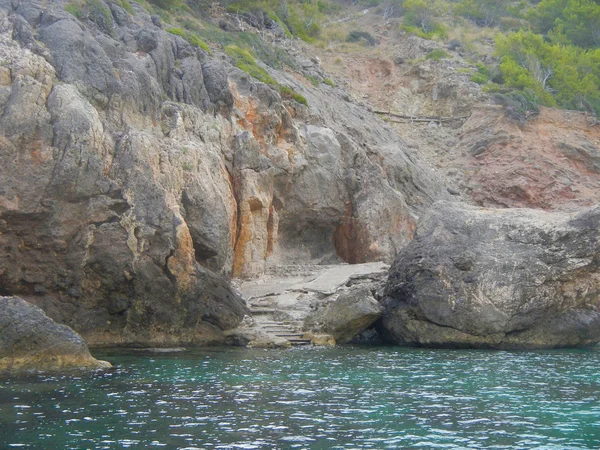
pixel 138 173
pixel 32 341
pixel 345 317
pixel 496 279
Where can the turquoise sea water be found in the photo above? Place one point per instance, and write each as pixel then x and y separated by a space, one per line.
pixel 313 398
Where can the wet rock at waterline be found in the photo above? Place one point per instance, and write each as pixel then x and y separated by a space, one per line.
pixel 31 341
pixel 345 317
pixel 490 278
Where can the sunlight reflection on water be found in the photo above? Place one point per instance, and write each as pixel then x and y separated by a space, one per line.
pixel 334 398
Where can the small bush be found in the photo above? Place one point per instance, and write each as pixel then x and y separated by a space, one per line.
pixel 519 105
pixel 125 5
pixel 454 45
pixel 245 61
pixel 74 9
pixel 328 82
pixel 190 37
pixel 167 4
pixel 187 166
pixel 358 36
pixel 300 99
pixel 437 30
pixel 289 94
pixel 197 42
pixel 437 54
pixel 313 80
pixel 479 78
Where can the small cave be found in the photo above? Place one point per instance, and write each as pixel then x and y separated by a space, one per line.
pixel 204 255
pixel 119 207
pixel 368 336
pixel 3 291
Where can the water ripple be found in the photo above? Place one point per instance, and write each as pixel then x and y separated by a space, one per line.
pixel 341 398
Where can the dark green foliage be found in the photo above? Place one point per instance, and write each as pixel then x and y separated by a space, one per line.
pixel 577 21
pixel 361 36
pixel 559 75
pixel 519 105
pixel 421 17
pixel 485 13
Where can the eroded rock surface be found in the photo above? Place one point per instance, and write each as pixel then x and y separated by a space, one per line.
pixel 497 279
pixel 31 341
pixel 137 173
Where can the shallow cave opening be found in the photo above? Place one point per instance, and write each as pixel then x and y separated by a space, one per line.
pixel 368 336
pixel 204 255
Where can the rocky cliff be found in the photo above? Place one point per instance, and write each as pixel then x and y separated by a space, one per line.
pixel 138 173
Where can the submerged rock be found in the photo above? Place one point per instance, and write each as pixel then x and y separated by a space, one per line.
pixel 30 340
pixel 488 278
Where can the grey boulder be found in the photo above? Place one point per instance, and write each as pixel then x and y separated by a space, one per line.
pixel 489 278
pixel 344 318
pixel 29 340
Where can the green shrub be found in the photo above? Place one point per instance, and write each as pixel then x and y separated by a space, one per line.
pixel 519 105
pixel 328 82
pixel 125 5
pixel 300 99
pixel 245 61
pixel 299 18
pixel 479 78
pixel 196 41
pixel 313 80
pixel 485 13
pixel 558 74
pixel 289 94
pixel 74 9
pixel 421 15
pixel 167 4
pixel 190 37
pixel 361 36
pixel 437 54
pixel 437 30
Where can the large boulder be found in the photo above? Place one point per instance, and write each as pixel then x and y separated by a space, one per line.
pixel 30 340
pixel 344 318
pixel 496 279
